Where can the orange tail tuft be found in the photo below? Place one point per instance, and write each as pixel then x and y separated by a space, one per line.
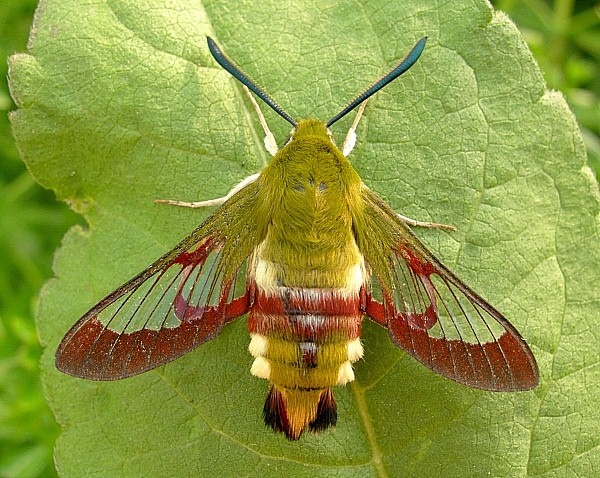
pixel 293 411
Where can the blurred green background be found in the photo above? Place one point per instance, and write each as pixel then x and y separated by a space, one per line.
pixel 32 223
pixel 564 36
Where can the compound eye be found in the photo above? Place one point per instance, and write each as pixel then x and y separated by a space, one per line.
pixel 299 187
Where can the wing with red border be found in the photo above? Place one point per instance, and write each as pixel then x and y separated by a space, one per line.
pixel 176 304
pixel 434 316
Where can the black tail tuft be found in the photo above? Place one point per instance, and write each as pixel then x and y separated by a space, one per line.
pixel 274 411
pixel 326 412
pixel 293 411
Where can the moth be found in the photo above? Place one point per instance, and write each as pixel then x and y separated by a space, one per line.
pixel 306 251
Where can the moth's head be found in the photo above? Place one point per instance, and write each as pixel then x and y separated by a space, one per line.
pixel 309 177
pixel 309 127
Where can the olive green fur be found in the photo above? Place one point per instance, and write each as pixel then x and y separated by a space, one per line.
pixel 293 378
pixel 330 354
pixel 308 195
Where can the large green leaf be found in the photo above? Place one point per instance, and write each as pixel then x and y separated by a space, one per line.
pixel 120 103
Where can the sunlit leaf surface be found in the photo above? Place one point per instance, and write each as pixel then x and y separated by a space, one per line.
pixel 121 104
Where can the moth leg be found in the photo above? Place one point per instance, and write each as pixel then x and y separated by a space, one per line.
pixel 270 143
pixel 414 222
pixel 350 140
pixel 211 202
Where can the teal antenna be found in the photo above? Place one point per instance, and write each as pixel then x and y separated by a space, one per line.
pixel 390 76
pixel 239 75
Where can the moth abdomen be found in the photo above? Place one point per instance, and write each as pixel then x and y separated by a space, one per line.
pixel 304 342
pixel 305 318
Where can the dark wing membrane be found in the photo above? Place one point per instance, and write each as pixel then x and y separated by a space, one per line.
pixel 176 304
pixel 434 316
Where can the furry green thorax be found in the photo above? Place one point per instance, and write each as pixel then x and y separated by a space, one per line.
pixel 307 199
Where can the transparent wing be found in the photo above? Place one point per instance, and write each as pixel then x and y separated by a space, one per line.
pixel 176 304
pixel 439 320
pixel 173 307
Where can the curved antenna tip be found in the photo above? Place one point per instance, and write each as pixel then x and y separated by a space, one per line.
pixel 243 78
pixel 382 81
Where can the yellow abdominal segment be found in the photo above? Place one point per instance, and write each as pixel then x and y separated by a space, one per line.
pixel 304 341
pixel 281 362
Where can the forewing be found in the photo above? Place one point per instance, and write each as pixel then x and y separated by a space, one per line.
pixel 176 304
pixel 435 317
